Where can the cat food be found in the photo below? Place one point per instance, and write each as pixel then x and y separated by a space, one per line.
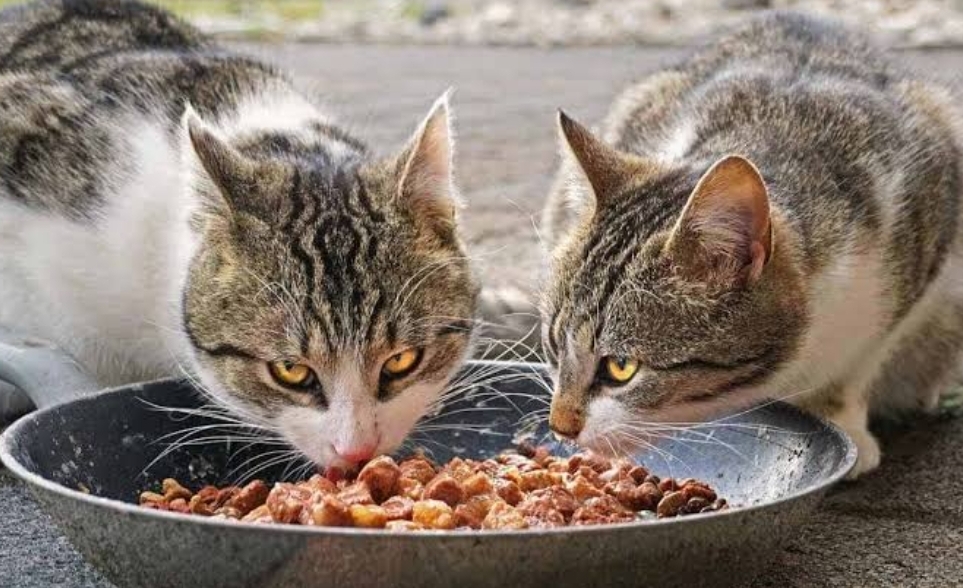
pixel 520 489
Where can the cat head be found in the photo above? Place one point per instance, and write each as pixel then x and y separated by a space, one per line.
pixel 330 299
pixel 672 297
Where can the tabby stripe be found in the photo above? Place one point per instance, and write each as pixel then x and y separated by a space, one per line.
pixel 71 66
pixel 218 349
pixel 29 36
pixel 764 358
pixel 753 378
pixel 298 251
pixel 340 135
pixel 376 310
pixel 365 200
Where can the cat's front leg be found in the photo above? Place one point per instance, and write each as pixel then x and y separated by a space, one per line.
pixel 847 409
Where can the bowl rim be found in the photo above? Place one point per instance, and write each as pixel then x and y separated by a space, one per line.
pixel 10 440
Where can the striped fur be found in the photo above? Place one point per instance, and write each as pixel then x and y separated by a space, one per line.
pixel 858 305
pixel 166 204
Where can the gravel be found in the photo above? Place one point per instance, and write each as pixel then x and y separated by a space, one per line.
pixel 923 23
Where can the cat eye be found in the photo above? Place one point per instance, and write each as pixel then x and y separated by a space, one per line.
pixel 619 369
pixel 402 363
pixel 292 375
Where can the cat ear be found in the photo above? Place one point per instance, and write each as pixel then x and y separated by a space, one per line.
pixel 724 231
pixel 603 170
pixel 223 165
pixel 425 182
pixel 240 183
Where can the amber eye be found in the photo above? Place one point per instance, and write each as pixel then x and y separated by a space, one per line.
pixel 620 369
pixel 402 363
pixel 290 374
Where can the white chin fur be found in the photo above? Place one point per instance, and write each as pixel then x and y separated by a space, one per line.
pixel 315 432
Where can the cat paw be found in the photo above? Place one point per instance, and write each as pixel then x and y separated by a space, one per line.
pixel 868 453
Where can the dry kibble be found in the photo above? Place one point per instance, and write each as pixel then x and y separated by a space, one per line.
pixel 513 491
pixel 179 505
pixel 444 488
pixel 419 469
pixel 638 474
pixel 589 474
pixel 597 462
pixel 502 515
pixel 582 489
pixel 604 509
pixel 694 489
pixel 536 480
pixel 546 520
pixel 458 469
pixel 320 484
pixel 511 474
pixel 398 507
pixel 404 526
pixel 549 507
pixel 173 490
pixel 631 496
pixel 508 491
pixel 411 488
pixel 285 502
pixel 199 506
pixel 370 516
pixel 433 514
pixel 228 512
pixel 477 484
pixel 472 512
pixel 154 498
pixel 329 512
pixel 357 493
pixel 381 476
pixel 671 504
pixel 260 514
pixel 249 497
pixel 695 504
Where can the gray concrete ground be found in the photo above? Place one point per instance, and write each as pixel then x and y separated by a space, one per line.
pixel 900 526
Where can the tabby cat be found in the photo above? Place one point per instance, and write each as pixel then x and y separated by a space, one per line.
pixel 777 217
pixel 164 202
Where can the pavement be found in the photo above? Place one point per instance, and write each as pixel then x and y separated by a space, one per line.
pixel 899 526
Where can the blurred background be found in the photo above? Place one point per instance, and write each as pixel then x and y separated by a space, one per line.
pixel 548 22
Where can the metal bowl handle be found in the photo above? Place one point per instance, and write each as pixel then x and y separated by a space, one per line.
pixel 35 374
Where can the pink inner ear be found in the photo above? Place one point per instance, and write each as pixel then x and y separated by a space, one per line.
pixel 728 215
pixel 758 256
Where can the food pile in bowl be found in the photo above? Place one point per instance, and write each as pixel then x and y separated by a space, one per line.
pixel 518 489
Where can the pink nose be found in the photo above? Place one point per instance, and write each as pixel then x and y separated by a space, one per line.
pixel 356 454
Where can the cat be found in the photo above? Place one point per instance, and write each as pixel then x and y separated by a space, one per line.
pixel 776 217
pixel 167 203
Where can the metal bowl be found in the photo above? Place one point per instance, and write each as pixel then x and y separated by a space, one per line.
pixel 85 462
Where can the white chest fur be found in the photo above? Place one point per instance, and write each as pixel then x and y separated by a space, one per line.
pixel 848 322
pixel 106 290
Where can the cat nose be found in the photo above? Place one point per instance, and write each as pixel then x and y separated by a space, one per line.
pixel 356 453
pixel 566 424
pixel 565 419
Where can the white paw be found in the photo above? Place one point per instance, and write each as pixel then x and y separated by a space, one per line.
pixel 868 453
